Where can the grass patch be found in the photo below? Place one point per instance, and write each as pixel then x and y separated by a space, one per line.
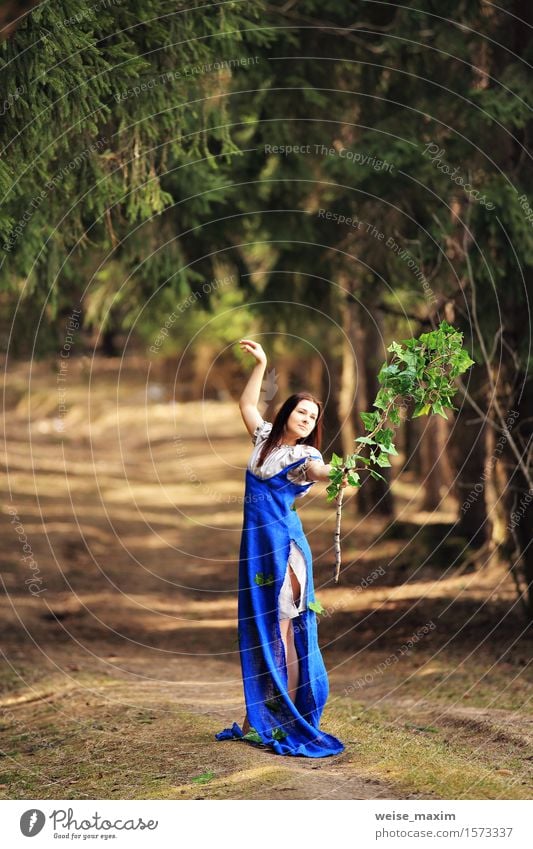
pixel 428 762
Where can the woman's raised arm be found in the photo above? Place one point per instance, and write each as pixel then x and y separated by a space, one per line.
pixel 250 396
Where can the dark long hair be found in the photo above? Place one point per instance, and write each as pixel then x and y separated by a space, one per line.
pixel 314 438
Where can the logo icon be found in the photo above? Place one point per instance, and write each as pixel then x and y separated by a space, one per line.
pixel 31 822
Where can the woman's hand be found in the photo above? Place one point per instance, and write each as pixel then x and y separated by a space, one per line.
pixel 253 348
pixel 318 471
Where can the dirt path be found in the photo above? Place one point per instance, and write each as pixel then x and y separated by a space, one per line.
pixel 122 669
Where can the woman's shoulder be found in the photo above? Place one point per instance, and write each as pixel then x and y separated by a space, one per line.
pixel 261 432
pixel 299 474
pixel 311 452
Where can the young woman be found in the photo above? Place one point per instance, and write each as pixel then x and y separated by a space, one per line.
pixel 284 677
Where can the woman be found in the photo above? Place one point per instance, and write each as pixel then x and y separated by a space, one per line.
pixel 284 677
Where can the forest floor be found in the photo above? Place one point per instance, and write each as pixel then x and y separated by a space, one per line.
pixel 119 671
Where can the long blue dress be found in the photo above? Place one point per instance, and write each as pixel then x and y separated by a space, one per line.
pixel 269 524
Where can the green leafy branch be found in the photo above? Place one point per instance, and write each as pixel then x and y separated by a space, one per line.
pixel 422 369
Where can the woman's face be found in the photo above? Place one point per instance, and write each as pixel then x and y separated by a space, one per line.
pixel 302 420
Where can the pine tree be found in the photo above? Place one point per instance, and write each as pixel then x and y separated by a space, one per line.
pixel 106 108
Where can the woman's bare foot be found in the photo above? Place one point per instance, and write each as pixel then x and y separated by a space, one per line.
pixel 245 726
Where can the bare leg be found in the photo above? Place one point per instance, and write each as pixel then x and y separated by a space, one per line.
pixel 287 635
pixel 293 666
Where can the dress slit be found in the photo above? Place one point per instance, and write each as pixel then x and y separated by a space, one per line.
pixel 288 607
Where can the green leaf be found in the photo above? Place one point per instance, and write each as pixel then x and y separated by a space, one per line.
pixel 411 359
pixel 354 479
pixel 383 460
pixel 366 440
pixel 336 460
pixel 421 409
pixel 462 361
pixel 370 420
pixel 278 733
pixel 438 408
pixel 430 339
pixel 382 398
pixel 395 347
pixel 384 437
pixel 316 606
pixel 386 372
pixel 377 475
pixel 263 581
pixel 253 736
pixel 390 449
pixel 203 778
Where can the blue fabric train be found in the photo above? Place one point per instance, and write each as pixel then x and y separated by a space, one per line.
pixel 288 728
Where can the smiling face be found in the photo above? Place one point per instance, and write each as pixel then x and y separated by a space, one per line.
pixel 301 421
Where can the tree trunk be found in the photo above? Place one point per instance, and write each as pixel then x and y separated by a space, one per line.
pixel 518 496
pixel 347 393
pixel 411 442
pixel 12 14
pixel 108 346
pixel 203 358
pixel 314 376
pixel 497 483
pixel 374 494
pixel 432 452
pixel 446 466
pixel 469 457
pixel 330 395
